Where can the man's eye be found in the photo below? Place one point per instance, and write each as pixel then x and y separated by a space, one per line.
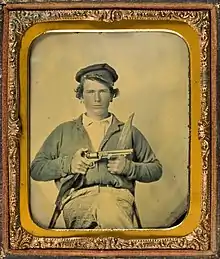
pixel 104 91
pixel 93 92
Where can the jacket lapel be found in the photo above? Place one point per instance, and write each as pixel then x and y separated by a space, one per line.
pixel 113 128
pixel 83 133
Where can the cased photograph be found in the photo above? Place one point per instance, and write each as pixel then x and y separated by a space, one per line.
pixel 109 129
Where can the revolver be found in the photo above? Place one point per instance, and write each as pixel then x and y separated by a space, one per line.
pixel 96 156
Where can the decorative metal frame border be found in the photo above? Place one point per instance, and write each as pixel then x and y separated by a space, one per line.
pixel 201 240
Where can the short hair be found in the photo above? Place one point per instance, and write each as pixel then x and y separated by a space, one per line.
pixel 79 90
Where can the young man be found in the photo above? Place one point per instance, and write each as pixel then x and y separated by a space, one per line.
pixel 106 198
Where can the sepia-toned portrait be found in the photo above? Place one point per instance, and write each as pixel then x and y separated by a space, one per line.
pixel 109 129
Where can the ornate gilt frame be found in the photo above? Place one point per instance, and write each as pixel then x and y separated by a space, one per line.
pixel 15 239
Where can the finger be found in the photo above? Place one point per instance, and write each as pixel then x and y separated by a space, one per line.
pixel 118 158
pixel 85 161
pixel 83 150
pixel 113 162
pixel 81 170
pixel 82 164
pixel 112 172
pixel 113 166
pixel 112 169
pixel 115 169
pixel 110 165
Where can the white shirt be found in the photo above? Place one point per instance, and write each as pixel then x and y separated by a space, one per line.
pixel 96 129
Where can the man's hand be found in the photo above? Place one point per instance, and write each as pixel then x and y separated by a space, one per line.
pixel 79 163
pixel 116 165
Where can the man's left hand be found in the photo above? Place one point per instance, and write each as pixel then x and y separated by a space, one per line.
pixel 116 165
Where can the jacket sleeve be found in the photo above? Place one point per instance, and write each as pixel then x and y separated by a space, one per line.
pixel 48 164
pixel 145 167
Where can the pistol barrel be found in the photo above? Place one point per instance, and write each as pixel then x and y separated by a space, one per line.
pixel 111 153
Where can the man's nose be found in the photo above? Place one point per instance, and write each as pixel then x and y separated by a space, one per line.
pixel 97 97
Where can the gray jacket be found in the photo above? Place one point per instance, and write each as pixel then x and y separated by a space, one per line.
pixel 53 161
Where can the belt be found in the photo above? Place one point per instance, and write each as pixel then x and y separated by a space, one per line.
pixel 101 185
pixel 106 185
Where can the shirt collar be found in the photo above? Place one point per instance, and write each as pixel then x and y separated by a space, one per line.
pixel 88 121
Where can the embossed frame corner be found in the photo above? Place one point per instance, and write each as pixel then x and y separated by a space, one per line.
pixel 18 18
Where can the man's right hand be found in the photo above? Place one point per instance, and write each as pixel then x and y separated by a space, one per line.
pixel 79 163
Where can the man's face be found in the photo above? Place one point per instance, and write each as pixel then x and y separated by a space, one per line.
pixel 97 98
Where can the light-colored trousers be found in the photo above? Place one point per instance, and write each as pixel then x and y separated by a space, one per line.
pixel 99 207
